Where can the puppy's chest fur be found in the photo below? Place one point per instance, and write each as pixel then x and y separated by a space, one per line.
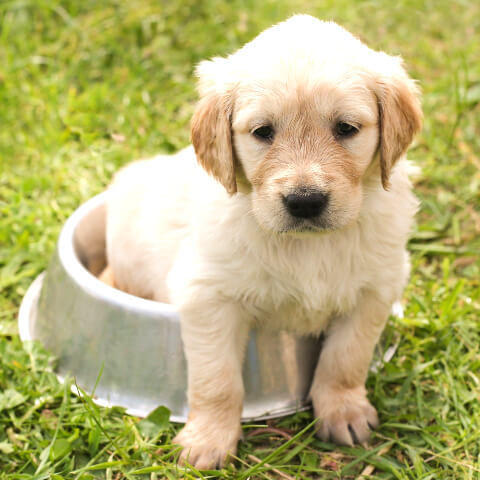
pixel 307 283
pixel 284 282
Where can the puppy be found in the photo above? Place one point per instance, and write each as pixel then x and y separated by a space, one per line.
pixel 291 211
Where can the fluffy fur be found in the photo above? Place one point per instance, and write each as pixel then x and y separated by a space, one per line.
pixel 208 230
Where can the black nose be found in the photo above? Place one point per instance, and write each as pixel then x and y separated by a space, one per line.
pixel 307 205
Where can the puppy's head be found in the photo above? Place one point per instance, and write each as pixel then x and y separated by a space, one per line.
pixel 300 118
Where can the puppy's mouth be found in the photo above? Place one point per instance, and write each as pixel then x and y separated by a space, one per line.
pixel 303 226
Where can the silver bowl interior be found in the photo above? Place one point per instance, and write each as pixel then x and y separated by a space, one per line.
pixel 129 349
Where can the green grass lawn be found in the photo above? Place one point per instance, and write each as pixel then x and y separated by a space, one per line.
pixel 88 85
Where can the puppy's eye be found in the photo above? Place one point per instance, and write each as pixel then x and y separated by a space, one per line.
pixel 344 129
pixel 264 133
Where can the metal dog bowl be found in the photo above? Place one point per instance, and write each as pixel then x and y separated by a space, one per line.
pixel 132 346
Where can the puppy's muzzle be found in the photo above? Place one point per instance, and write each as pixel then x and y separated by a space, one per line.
pixel 305 205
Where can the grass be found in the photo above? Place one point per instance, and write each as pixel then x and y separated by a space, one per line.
pixel 86 86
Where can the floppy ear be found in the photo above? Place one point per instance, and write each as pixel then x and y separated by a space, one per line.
pixel 400 118
pixel 212 138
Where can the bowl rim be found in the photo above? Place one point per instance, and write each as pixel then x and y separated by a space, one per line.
pixel 91 284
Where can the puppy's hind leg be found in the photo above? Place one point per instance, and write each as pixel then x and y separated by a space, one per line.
pixel 107 276
pixel 214 333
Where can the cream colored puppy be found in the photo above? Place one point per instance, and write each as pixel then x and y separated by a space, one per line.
pixel 301 223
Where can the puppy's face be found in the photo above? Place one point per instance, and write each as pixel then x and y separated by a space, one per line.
pixel 304 148
pixel 300 118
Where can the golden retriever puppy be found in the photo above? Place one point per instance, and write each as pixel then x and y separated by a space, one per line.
pixel 291 211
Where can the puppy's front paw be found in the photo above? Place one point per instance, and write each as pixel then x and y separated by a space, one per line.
pixel 345 415
pixel 207 444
